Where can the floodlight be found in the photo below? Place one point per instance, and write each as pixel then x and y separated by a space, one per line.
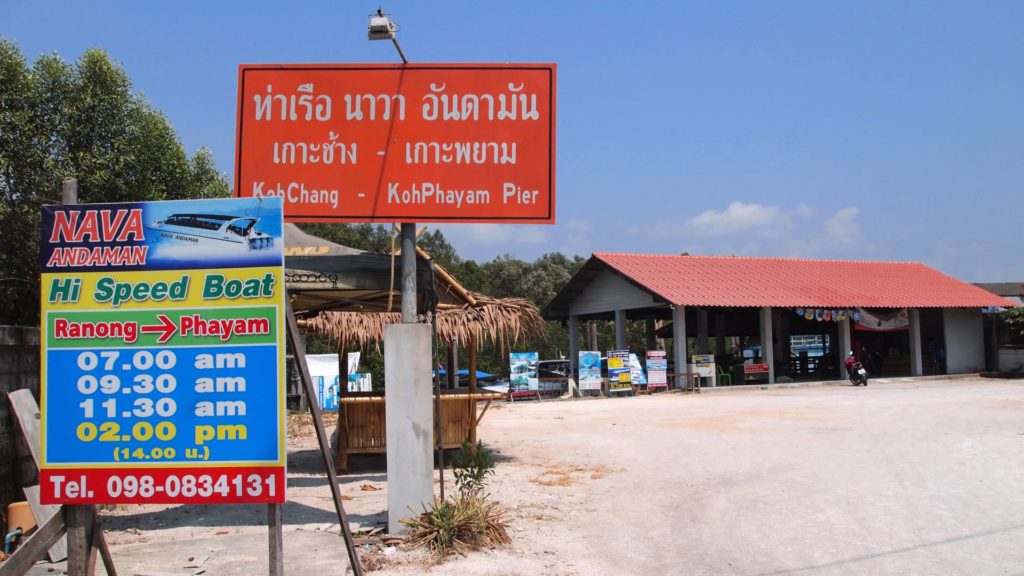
pixel 382 28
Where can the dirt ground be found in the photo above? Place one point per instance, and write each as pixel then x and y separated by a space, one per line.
pixel 905 476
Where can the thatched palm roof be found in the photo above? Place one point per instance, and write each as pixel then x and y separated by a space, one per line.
pixel 461 314
pixel 503 321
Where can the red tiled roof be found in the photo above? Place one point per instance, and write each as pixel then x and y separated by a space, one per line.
pixel 740 281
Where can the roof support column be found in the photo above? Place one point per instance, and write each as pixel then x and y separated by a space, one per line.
pixel 650 329
pixel 844 345
pixel 679 344
pixel 916 364
pixel 620 329
pixel 768 342
pixel 720 333
pixel 702 330
pixel 574 350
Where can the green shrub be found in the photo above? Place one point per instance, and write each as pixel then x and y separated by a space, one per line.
pixel 471 466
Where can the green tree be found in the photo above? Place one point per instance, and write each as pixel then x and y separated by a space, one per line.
pixel 1014 318
pixel 369 237
pixel 83 121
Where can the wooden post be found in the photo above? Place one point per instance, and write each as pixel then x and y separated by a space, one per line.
pixel 451 367
pixel 472 388
pixel 276 553
pixel 81 522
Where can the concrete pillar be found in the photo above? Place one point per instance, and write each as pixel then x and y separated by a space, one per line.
pixel 679 344
pixel 649 331
pixel 574 347
pixel 620 330
pixel 720 333
pixel 844 345
pixel 702 330
pixel 768 342
pixel 409 419
pixel 916 362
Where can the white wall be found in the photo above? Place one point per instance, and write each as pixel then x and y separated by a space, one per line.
pixel 965 342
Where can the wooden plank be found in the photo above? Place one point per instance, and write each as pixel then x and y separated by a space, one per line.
pixel 100 544
pixel 274 521
pixel 33 547
pixel 42 514
pixel 299 349
pixel 26 411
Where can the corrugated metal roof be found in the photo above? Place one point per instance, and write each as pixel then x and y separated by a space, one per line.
pixel 1005 289
pixel 784 282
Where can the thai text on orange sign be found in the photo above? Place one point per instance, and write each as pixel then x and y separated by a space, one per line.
pixel 399 143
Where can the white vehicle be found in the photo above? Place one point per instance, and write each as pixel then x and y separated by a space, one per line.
pixel 215 231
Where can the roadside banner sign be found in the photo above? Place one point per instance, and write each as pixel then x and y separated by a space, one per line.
pixel 619 376
pixel 523 371
pixel 589 370
pixel 399 143
pixel 657 369
pixel 636 371
pixel 162 335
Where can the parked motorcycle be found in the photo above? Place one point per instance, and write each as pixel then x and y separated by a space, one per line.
pixel 858 375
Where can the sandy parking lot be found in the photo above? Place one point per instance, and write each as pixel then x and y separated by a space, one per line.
pixel 912 476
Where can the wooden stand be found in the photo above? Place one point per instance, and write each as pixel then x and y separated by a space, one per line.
pixel 85 536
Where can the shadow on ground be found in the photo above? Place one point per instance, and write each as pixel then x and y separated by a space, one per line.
pixel 211 516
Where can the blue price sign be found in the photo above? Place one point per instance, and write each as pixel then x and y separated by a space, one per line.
pixel 163 367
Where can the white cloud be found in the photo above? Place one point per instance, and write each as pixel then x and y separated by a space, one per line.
pixel 842 227
pixel 741 218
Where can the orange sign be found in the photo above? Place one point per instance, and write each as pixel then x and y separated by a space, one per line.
pixel 399 143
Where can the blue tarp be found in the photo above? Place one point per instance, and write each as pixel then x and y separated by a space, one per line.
pixel 465 374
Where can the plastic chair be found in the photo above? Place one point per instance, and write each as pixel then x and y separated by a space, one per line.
pixel 723 377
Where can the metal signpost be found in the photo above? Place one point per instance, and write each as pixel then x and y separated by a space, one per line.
pixel 400 143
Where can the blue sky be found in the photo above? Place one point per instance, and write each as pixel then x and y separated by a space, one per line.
pixel 867 130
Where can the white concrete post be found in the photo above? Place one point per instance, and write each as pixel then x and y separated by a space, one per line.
pixel 574 350
pixel 702 330
pixel 768 342
pixel 916 362
pixel 620 329
pixel 408 421
pixel 844 345
pixel 679 344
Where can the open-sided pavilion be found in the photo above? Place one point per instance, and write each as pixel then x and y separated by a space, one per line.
pixel 765 301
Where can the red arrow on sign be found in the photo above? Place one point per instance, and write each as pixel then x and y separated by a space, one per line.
pixel 167 328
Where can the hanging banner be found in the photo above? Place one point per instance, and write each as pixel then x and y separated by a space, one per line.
pixel 162 336
pixel 876 322
pixel 589 370
pixel 619 376
pixel 399 143
pixel 523 371
pixel 657 369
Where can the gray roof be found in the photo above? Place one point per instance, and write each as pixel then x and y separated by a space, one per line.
pixel 1003 288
